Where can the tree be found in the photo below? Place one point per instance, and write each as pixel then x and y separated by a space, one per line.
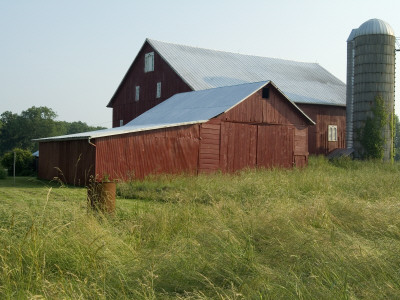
pixel 18 131
pixel 372 135
pixel 24 163
pixel 77 127
pixel 10 135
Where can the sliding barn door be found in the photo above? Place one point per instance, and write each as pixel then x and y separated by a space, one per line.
pixel 209 148
pixel 238 146
pixel 275 146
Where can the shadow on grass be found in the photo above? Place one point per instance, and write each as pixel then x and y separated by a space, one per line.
pixel 29 182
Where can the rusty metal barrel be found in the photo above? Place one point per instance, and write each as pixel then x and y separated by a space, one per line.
pixel 101 196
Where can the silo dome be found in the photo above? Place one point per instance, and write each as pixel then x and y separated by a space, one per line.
pixel 374 26
pixel 352 35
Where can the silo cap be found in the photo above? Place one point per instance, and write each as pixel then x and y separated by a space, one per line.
pixel 374 26
pixel 352 35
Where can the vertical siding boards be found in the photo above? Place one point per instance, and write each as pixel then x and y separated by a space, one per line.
pixel 171 150
pixel 275 146
pixel 238 146
pixel 300 146
pixel 123 102
pixel 325 115
pixel 256 109
pixel 209 148
pixel 73 162
pixel 264 133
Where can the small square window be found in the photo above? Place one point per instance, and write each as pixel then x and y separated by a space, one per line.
pixel 149 62
pixel 158 95
pixel 332 133
pixel 137 93
pixel 265 92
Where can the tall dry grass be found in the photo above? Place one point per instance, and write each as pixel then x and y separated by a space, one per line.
pixel 330 231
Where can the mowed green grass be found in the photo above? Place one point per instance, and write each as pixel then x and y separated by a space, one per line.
pixel 329 231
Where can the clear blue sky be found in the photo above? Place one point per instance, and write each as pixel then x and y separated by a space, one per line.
pixel 71 55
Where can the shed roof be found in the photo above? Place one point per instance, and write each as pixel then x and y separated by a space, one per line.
pixel 204 69
pixel 183 109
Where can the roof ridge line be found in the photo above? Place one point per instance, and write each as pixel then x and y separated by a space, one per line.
pixel 225 51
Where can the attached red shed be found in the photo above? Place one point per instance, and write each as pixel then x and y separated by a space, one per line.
pixel 228 128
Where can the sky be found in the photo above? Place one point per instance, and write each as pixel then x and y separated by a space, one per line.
pixel 71 55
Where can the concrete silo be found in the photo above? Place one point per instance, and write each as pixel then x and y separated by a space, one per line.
pixel 370 74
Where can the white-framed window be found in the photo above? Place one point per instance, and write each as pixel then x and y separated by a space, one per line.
pixel 121 122
pixel 137 93
pixel 332 133
pixel 149 62
pixel 158 94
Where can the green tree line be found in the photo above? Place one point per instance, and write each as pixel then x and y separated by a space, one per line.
pixel 18 130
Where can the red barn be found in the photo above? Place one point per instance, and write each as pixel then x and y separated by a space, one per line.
pixel 227 128
pixel 161 70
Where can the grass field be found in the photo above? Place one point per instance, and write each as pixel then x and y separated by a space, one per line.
pixel 329 231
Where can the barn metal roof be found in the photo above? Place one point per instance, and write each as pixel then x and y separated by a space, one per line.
pixel 204 69
pixel 182 109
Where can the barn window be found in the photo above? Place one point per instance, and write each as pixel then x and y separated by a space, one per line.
pixel 332 133
pixel 158 95
pixel 137 92
pixel 265 92
pixel 149 62
pixel 121 122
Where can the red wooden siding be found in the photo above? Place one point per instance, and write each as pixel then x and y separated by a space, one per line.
pixel 263 132
pixel 238 146
pixel 209 149
pixel 123 102
pixel 258 132
pixel 274 110
pixel 300 146
pixel 246 145
pixel 325 115
pixel 275 146
pixel 72 161
pixel 136 155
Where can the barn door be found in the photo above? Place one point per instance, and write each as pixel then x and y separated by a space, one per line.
pixel 209 147
pixel 238 146
pixel 275 145
pixel 300 146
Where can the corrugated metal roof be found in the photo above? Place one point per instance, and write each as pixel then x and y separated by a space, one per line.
pixel 182 109
pixel 200 106
pixel 109 132
pixel 204 69
pixel 197 106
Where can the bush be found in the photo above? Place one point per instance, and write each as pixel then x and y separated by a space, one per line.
pixel 3 172
pixel 372 137
pixel 24 164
